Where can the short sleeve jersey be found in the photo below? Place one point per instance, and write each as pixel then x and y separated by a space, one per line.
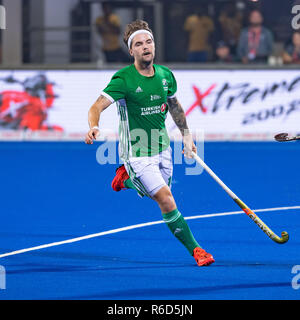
pixel 142 109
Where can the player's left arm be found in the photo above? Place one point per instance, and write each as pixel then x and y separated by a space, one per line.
pixel 179 118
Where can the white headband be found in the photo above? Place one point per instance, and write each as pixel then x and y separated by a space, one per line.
pixel 138 32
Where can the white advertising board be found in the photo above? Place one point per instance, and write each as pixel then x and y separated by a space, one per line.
pixel 226 105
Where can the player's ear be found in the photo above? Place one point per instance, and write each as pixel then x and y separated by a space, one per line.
pixel 130 52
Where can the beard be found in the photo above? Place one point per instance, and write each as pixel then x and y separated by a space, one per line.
pixel 146 60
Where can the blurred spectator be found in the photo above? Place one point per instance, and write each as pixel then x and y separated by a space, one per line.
pixel 109 28
pixel 291 52
pixel 0 47
pixel 256 41
pixel 231 24
pixel 223 53
pixel 199 27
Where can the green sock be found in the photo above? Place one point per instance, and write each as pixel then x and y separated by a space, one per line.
pixel 129 185
pixel 180 229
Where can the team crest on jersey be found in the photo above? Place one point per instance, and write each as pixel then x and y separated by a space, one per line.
pixel 165 84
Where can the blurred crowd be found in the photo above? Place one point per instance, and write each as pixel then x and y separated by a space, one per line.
pixel 253 44
pixel 192 31
pixel 232 37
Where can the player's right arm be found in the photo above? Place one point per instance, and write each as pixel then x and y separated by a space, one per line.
pixel 94 116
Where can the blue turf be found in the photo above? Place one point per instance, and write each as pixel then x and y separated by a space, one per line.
pixel 56 191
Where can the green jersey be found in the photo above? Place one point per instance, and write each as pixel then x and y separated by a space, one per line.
pixel 142 109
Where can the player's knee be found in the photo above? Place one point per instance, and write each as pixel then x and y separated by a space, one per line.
pixel 165 200
pixel 169 205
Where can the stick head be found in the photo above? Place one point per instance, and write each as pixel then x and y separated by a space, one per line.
pixel 282 137
pixel 284 238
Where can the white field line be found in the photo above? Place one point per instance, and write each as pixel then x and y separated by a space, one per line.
pixel 136 226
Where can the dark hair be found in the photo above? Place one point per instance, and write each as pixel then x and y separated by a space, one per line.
pixel 135 26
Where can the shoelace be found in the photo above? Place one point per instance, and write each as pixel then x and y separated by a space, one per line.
pixel 202 254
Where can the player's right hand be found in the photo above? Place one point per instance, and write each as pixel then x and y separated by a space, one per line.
pixel 91 135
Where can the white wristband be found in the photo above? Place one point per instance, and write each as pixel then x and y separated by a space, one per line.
pixel 95 127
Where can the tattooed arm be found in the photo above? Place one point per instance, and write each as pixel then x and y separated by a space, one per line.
pixel 94 116
pixel 179 118
pixel 178 115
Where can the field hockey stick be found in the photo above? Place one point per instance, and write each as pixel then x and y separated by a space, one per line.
pixel 282 137
pixel 284 235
